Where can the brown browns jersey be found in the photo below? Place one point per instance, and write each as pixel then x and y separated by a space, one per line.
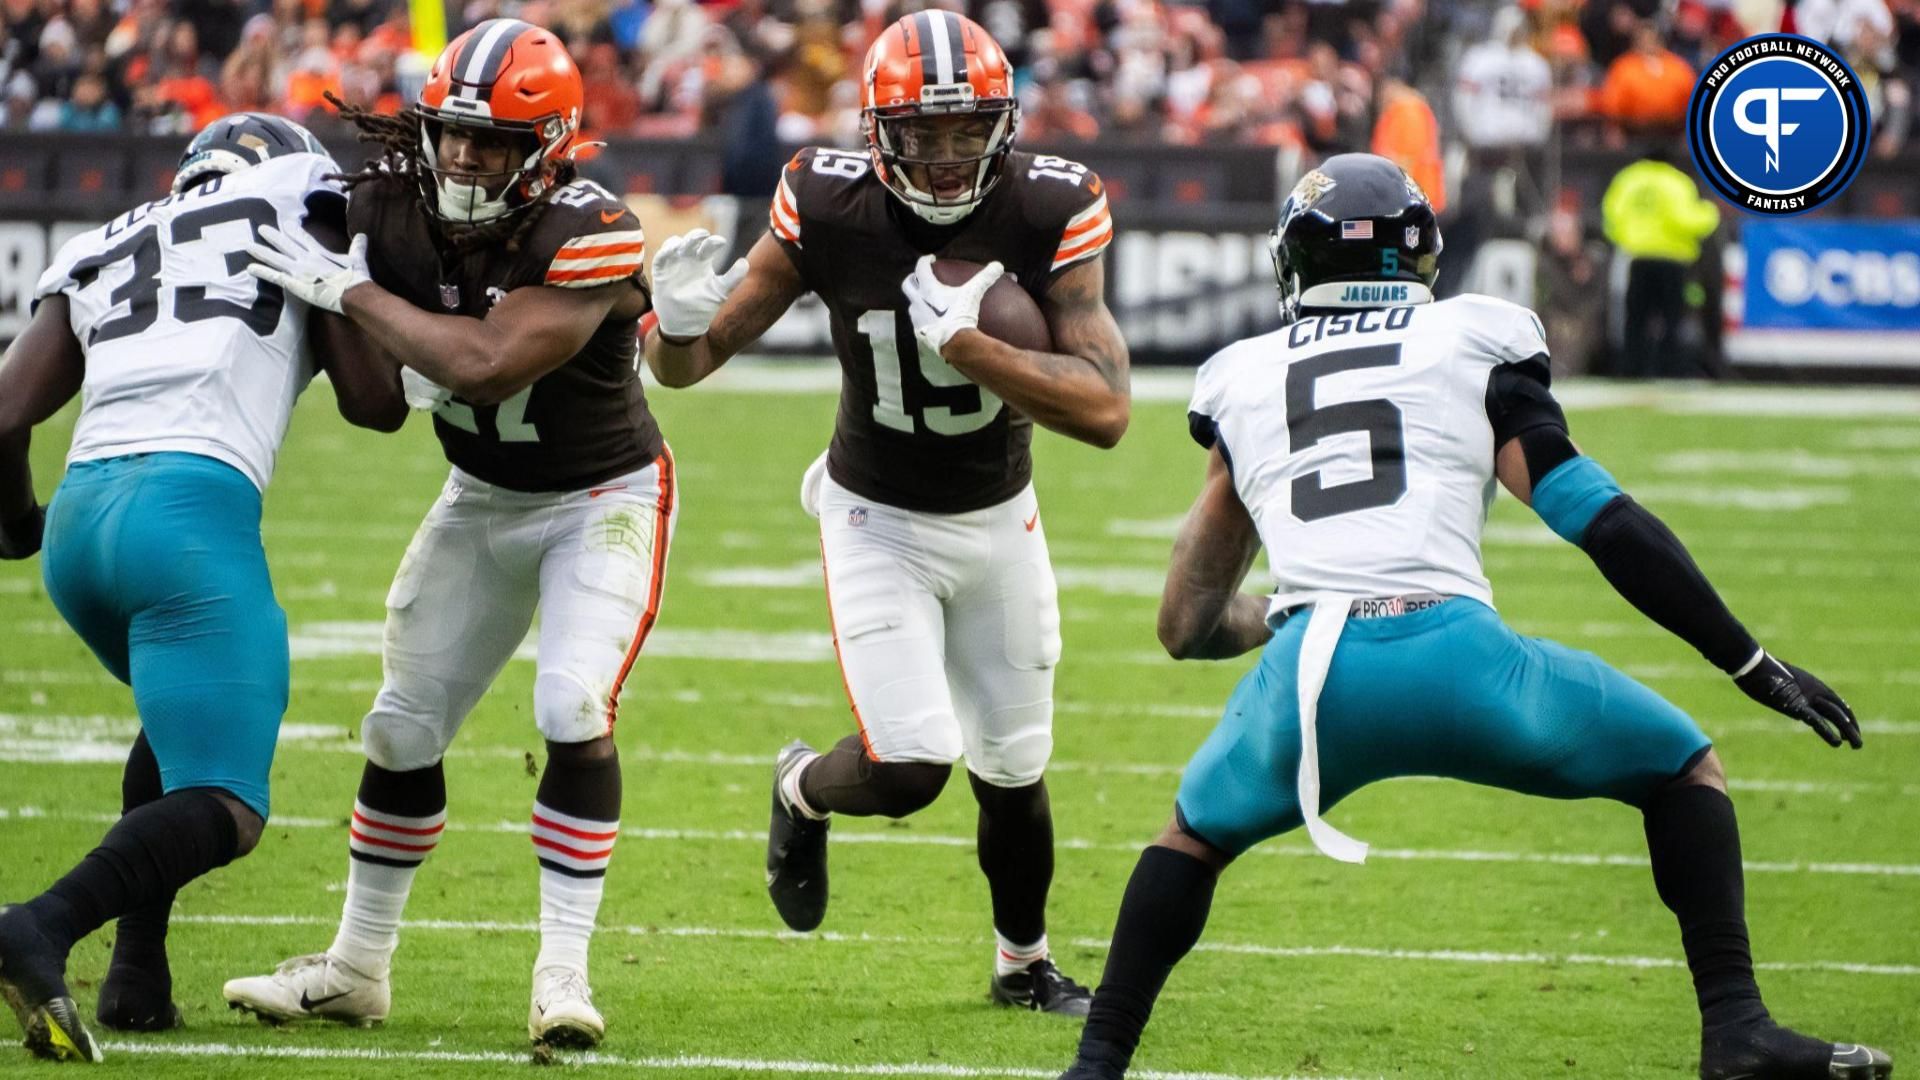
pixel 912 432
pixel 580 424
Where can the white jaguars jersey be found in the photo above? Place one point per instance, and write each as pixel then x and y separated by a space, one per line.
pixel 1360 443
pixel 185 350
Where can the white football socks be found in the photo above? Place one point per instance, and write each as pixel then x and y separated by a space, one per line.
pixel 790 791
pixel 1009 958
pixel 386 850
pixel 573 853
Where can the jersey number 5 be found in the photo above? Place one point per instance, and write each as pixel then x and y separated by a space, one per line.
pixel 1377 418
pixel 885 331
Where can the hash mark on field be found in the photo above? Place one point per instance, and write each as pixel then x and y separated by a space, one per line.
pixel 1448 956
pixel 893 837
pixel 756 1066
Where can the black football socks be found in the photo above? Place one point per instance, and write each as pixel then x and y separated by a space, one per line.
pixel 1016 855
pixel 137 994
pixel 1161 917
pixel 1693 842
pixel 846 780
pixel 143 860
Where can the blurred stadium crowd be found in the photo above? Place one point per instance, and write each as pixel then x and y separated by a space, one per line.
pixel 1319 76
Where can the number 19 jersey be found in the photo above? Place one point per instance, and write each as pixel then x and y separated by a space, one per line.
pixel 912 432
pixel 1361 443
pixel 186 351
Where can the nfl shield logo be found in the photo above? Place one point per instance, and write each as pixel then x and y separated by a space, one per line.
pixel 1413 236
pixel 857 517
pixel 450 296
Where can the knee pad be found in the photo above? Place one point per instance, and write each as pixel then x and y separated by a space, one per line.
pixel 402 737
pixel 1018 759
pixel 567 710
pixel 901 788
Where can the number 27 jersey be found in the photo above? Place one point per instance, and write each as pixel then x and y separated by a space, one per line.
pixel 185 350
pixel 912 432
pixel 1361 442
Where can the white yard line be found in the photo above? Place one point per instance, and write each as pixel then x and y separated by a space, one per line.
pixel 1455 956
pixel 786 375
pixel 902 838
pixel 595 1059
pixel 53 739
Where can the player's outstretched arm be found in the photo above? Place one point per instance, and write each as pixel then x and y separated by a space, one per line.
pixel 1648 566
pixel 531 331
pixel 42 370
pixel 366 381
pixel 706 317
pixel 1082 390
pixel 1203 613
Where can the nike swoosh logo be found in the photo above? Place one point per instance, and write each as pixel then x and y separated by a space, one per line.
pixel 608 217
pixel 597 492
pixel 310 1004
pixel 1034 520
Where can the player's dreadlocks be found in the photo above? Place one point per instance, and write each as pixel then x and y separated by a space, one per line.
pixel 399 137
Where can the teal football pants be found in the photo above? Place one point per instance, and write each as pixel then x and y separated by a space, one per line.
pixel 1447 691
pixel 156 561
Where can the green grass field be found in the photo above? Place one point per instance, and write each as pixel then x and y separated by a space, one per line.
pixel 1490 936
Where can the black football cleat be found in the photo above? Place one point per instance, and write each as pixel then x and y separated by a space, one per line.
pixel 796 851
pixel 1082 1069
pixel 33 983
pixel 1767 1051
pixel 1042 988
pixel 132 999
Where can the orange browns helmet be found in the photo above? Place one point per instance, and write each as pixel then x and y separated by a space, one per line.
pixel 506 76
pixel 929 65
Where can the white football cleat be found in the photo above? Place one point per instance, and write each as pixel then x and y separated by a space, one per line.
pixel 317 987
pixel 563 1014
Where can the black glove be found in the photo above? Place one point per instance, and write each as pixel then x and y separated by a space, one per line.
pixel 20 537
pixel 1788 690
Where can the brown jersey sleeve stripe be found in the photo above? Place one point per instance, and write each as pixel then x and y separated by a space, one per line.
pixel 783 216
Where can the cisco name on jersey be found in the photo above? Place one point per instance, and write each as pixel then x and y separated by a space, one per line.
pixel 185 350
pixel 1360 442
pixel 580 424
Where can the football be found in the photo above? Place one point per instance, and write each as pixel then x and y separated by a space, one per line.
pixel 1007 311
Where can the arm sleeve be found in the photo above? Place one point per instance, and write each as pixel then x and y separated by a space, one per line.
pixel 1641 558
pixel 1648 566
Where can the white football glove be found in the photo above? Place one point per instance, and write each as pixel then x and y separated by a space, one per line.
pixel 687 293
pixel 940 311
pixel 421 392
pixel 302 266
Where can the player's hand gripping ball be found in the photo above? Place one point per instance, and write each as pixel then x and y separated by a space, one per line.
pixel 687 292
pixel 304 267
pixel 939 310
